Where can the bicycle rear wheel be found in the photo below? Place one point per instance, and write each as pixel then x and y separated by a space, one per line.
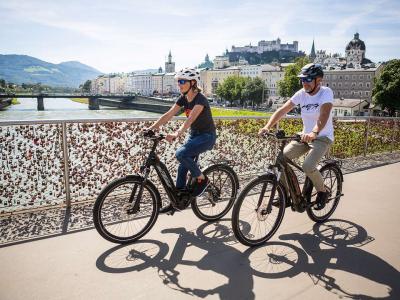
pixel 219 196
pixel 113 216
pixel 252 224
pixel 333 181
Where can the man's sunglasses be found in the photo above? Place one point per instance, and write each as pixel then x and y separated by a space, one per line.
pixel 306 79
pixel 182 81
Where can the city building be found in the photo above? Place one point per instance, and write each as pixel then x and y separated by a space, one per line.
pixel 206 64
pixel 271 75
pixel 352 76
pixel 349 107
pixel 352 83
pixel 140 84
pixel 221 62
pixel 211 78
pixel 169 65
pixel 264 46
pixel 312 55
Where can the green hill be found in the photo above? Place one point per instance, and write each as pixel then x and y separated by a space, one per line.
pixel 26 69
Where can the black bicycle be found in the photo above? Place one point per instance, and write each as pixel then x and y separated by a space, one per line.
pixel 127 208
pixel 261 205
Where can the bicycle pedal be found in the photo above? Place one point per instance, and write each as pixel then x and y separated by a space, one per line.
pixel 171 212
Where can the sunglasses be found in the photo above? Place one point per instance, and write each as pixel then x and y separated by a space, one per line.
pixel 182 81
pixel 306 79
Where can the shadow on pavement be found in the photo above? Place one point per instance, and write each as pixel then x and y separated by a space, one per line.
pixel 333 245
pixel 215 238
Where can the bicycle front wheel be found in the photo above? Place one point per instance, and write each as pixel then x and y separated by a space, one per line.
pixel 115 216
pixel 252 222
pixel 219 196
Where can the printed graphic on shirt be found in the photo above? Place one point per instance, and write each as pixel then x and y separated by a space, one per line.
pixel 310 107
pixel 187 112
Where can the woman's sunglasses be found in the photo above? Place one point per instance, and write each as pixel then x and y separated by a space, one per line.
pixel 182 81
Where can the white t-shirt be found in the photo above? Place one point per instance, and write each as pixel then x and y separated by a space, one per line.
pixel 310 108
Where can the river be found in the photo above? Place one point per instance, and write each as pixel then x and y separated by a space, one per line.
pixel 65 109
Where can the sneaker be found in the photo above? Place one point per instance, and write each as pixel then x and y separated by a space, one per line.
pixel 321 200
pixel 200 186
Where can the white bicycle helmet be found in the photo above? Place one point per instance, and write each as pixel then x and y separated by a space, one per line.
pixel 188 74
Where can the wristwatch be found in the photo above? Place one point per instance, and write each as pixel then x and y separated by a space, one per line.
pixel 316 132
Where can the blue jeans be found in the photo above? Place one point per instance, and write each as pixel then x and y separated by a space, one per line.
pixel 196 144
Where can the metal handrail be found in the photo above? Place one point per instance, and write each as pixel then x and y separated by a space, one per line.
pixel 63 123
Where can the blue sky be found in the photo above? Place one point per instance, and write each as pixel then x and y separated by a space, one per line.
pixel 122 35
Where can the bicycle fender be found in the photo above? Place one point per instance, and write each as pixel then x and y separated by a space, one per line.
pixel 334 164
pixel 229 168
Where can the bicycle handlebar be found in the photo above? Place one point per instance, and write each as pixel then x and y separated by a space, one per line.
pixel 280 135
pixel 150 134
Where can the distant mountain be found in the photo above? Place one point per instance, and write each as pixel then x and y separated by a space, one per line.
pixel 26 69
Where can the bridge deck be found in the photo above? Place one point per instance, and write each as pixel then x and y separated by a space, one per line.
pixel 358 258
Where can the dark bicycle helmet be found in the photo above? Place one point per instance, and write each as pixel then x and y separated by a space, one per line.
pixel 312 71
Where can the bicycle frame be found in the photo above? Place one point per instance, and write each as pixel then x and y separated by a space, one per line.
pixel 285 174
pixel 162 172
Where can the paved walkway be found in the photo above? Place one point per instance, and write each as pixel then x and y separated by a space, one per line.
pixel 354 255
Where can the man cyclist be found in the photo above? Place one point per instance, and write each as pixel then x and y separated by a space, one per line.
pixel 202 130
pixel 316 102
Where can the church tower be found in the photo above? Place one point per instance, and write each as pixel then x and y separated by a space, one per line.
pixel 312 54
pixel 355 52
pixel 169 65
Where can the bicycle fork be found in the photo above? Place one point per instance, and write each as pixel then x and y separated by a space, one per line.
pixel 261 209
pixel 132 209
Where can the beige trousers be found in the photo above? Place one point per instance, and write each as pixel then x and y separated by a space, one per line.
pixel 316 150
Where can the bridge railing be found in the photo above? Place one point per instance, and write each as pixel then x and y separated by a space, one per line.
pixel 61 162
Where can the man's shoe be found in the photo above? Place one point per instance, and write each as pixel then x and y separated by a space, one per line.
pixel 322 198
pixel 200 186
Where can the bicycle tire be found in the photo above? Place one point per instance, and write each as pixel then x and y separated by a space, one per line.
pixel 214 203
pixel 244 233
pixel 107 216
pixel 335 187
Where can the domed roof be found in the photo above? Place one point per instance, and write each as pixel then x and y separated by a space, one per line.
pixel 356 43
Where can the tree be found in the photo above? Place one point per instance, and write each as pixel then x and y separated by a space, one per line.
pixel 290 83
pixel 87 86
pixel 386 92
pixel 253 90
pixel 231 88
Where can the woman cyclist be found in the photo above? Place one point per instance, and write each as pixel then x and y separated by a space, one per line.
pixel 202 135
pixel 316 103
